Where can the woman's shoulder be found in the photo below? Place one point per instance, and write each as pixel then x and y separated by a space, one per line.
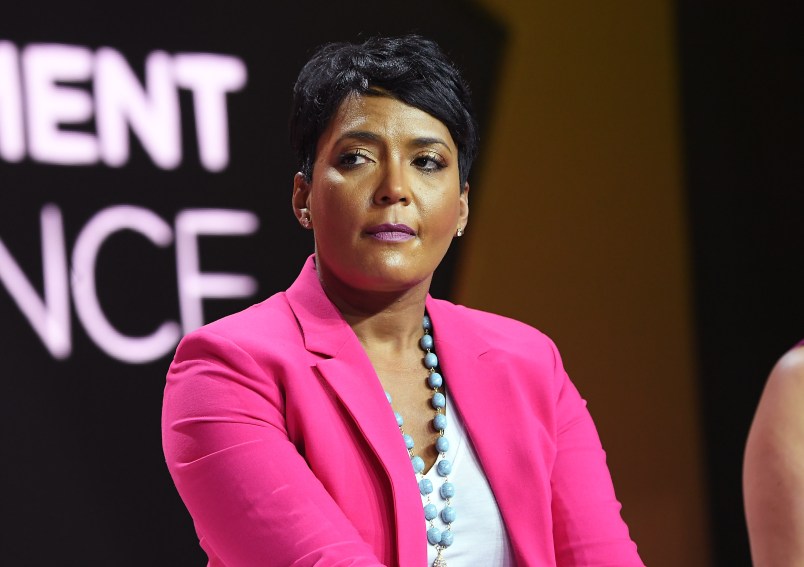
pixel 779 409
pixel 267 322
pixel 787 375
pixel 773 468
pixel 496 329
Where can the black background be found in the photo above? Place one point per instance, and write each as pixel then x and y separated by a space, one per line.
pixel 742 89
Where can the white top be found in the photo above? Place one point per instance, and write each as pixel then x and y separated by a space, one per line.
pixel 479 533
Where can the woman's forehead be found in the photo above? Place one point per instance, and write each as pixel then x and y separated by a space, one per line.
pixel 384 116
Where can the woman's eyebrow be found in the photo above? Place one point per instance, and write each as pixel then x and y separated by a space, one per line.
pixel 364 135
pixel 428 141
pixel 368 136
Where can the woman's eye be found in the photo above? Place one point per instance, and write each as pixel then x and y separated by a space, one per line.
pixel 429 163
pixel 350 159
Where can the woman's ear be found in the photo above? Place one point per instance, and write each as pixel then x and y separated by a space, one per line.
pixel 463 212
pixel 301 200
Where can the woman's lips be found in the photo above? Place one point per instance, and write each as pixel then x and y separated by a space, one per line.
pixel 391 232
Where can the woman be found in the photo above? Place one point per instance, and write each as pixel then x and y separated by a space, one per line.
pixel 773 472
pixel 278 429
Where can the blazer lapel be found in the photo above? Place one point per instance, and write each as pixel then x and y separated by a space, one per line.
pixel 345 367
pixel 473 375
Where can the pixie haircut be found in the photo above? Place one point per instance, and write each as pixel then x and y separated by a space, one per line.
pixel 410 68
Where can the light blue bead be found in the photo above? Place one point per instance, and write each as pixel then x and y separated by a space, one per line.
pixel 399 420
pixel 444 467
pixel 447 490
pixel 425 486
pixel 426 323
pixel 446 538
pixel 388 397
pixel 434 536
pixel 442 444
pixel 418 463
pixel 408 441
pixel 438 401
pixel 426 342
pixel 448 514
pixel 440 421
pixel 430 512
pixel 435 380
pixel 430 360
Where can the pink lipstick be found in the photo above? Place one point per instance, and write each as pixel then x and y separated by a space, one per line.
pixel 391 232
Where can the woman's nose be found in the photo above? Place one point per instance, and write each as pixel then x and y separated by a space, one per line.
pixel 393 187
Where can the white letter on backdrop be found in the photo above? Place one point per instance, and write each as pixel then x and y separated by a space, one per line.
pixel 12 135
pixel 50 104
pixel 194 285
pixel 210 77
pixel 50 318
pixel 153 112
pixel 85 255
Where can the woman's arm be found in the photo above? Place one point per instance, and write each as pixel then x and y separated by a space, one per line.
pixel 773 472
pixel 587 527
pixel 252 496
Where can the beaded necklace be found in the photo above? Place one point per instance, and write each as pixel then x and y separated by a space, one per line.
pixel 440 539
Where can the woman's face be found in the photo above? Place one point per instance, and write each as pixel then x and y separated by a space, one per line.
pixel 384 201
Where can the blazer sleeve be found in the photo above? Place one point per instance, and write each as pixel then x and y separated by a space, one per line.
pixel 587 527
pixel 252 496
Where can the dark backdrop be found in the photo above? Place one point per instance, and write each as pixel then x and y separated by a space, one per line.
pixel 743 85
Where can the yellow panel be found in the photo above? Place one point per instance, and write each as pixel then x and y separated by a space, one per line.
pixel 579 229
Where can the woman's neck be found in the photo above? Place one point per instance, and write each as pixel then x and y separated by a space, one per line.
pixel 381 320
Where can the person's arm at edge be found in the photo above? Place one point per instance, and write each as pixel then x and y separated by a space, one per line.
pixel 588 528
pixel 773 469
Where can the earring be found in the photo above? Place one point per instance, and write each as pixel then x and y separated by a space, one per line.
pixel 459 232
pixel 305 218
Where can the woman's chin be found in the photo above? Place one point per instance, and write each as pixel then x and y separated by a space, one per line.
pixel 394 279
pixel 388 269
pixel 385 278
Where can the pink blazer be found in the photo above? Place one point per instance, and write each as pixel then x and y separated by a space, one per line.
pixel 285 451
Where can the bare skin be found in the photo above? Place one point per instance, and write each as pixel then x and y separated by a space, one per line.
pixel 381 162
pixel 773 473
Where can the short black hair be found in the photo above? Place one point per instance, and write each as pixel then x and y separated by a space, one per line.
pixel 409 68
